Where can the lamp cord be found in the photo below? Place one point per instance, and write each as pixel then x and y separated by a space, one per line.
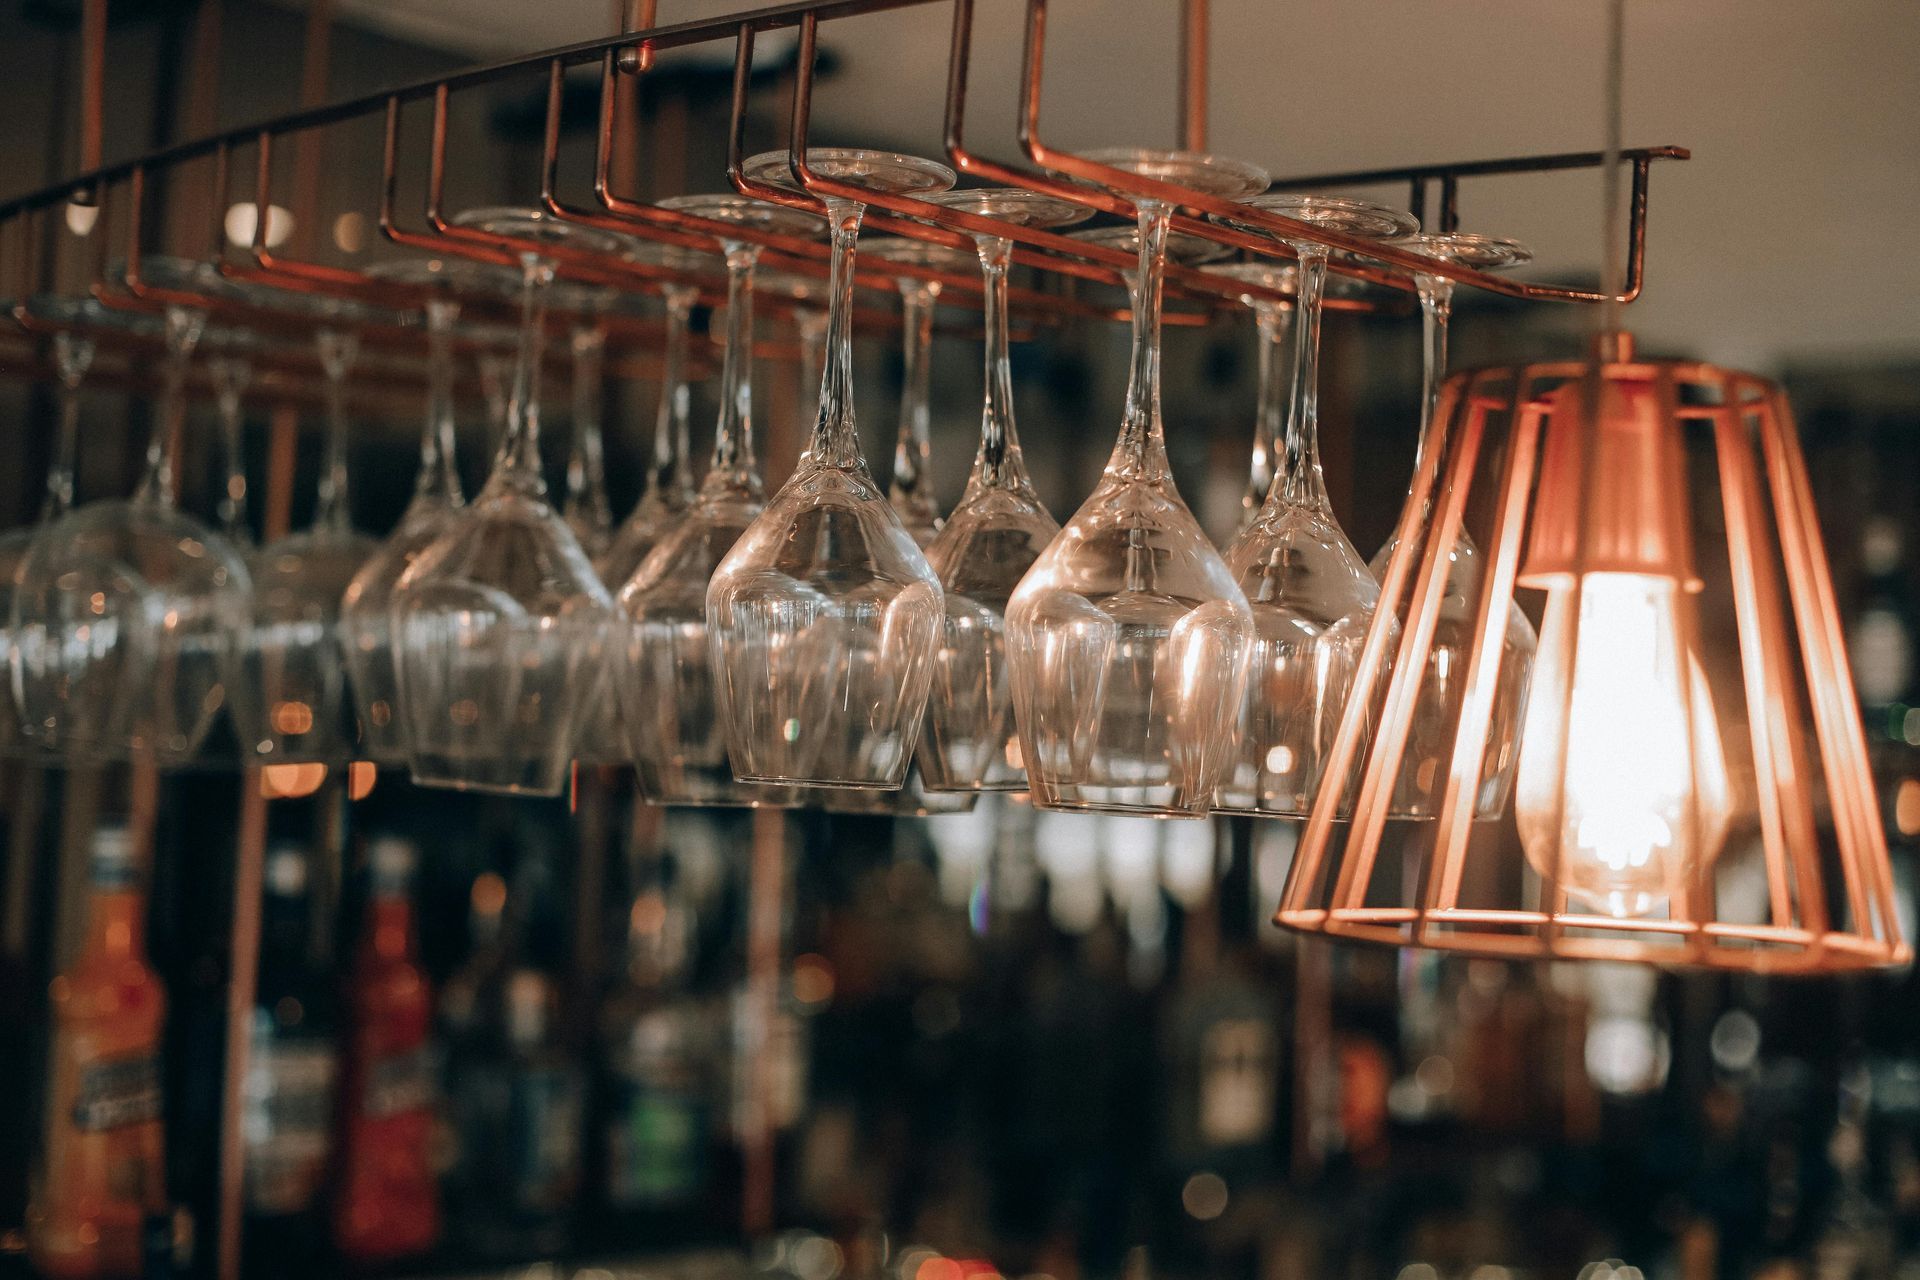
pixel 1613 266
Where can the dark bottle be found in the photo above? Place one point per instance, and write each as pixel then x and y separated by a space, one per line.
pixel 292 1073
pixel 516 1096
pixel 656 1071
pixel 1881 638
pixel 386 1197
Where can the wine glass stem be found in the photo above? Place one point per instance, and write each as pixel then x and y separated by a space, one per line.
pixel 672 432
pixel 1301 482
pixel 1274 324
pixel 910 493
pixel 334 509
pixel 73 355
pixel 586 461
pixel 1436 314
pixel 733 459
pixel 999 465
pixel 834 442
pixel 438 477
pixel 519 455
pixel 1142 449
pixel 812 324
pixel 183 331
pixel 229 377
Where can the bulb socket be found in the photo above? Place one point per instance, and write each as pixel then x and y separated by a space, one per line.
pixel 1612 490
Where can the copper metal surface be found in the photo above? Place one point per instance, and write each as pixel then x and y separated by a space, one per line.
pixel 1829 898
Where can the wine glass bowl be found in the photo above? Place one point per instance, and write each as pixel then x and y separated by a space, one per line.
pixel 1128 637
pixel 824 614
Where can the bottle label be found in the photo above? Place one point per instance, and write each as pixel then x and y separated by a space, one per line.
pixel 400 1083
pixel 117 1092
pixel 653 1149
pixel 548 1104
pixel 287 1122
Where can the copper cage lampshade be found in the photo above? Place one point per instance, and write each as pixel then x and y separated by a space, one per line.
pixel 1691 784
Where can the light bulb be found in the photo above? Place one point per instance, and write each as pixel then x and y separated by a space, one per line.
pixel 1621 789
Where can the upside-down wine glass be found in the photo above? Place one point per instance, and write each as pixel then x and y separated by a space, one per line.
pixel 996 532
pixel 1311 594
pixel 825 612
pixel 910 488
pixel 667 677
pixel 73 352
pixel 296 705
pixel 501 623
pixel 1127 640
pixel 1443 687
pixel 367 605
pixel 1272 319
pixel 126 611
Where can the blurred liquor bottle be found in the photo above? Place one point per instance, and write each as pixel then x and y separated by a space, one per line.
pixel 656 1070
pixel 100 1177
pixel 386 1198
pixel 1881 639
pixel 515 1093
pixel 292 1073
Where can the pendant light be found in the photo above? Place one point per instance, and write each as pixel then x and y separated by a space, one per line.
pixel 1692 785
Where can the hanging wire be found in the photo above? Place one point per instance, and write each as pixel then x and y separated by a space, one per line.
pixel 1613 260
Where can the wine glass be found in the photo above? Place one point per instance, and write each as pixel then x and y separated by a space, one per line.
pixel 125 611
pixel 1311 593
pixel 296 706
pixel 1272 319
pixel 367 604
pixel 824 614
pixel 663 660
pixel 73 352
pixel 1127 640
pixel 500 623
pixel 996 532
pixel 911 488
pixel 1442 688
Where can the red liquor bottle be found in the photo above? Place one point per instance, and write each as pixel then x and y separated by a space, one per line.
pixel 101 1173
pixel 387 1203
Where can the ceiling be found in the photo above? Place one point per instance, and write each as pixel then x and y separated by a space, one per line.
pixel 1789 236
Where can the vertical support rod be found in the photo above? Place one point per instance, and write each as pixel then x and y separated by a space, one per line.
pixel 93 81
pixel 1193 74
pixel 766 904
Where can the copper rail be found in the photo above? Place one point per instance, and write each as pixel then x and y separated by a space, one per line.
pixel 1059 172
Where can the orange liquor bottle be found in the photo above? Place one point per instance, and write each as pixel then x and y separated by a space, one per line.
pixel 387 1203
pixel 101 1173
